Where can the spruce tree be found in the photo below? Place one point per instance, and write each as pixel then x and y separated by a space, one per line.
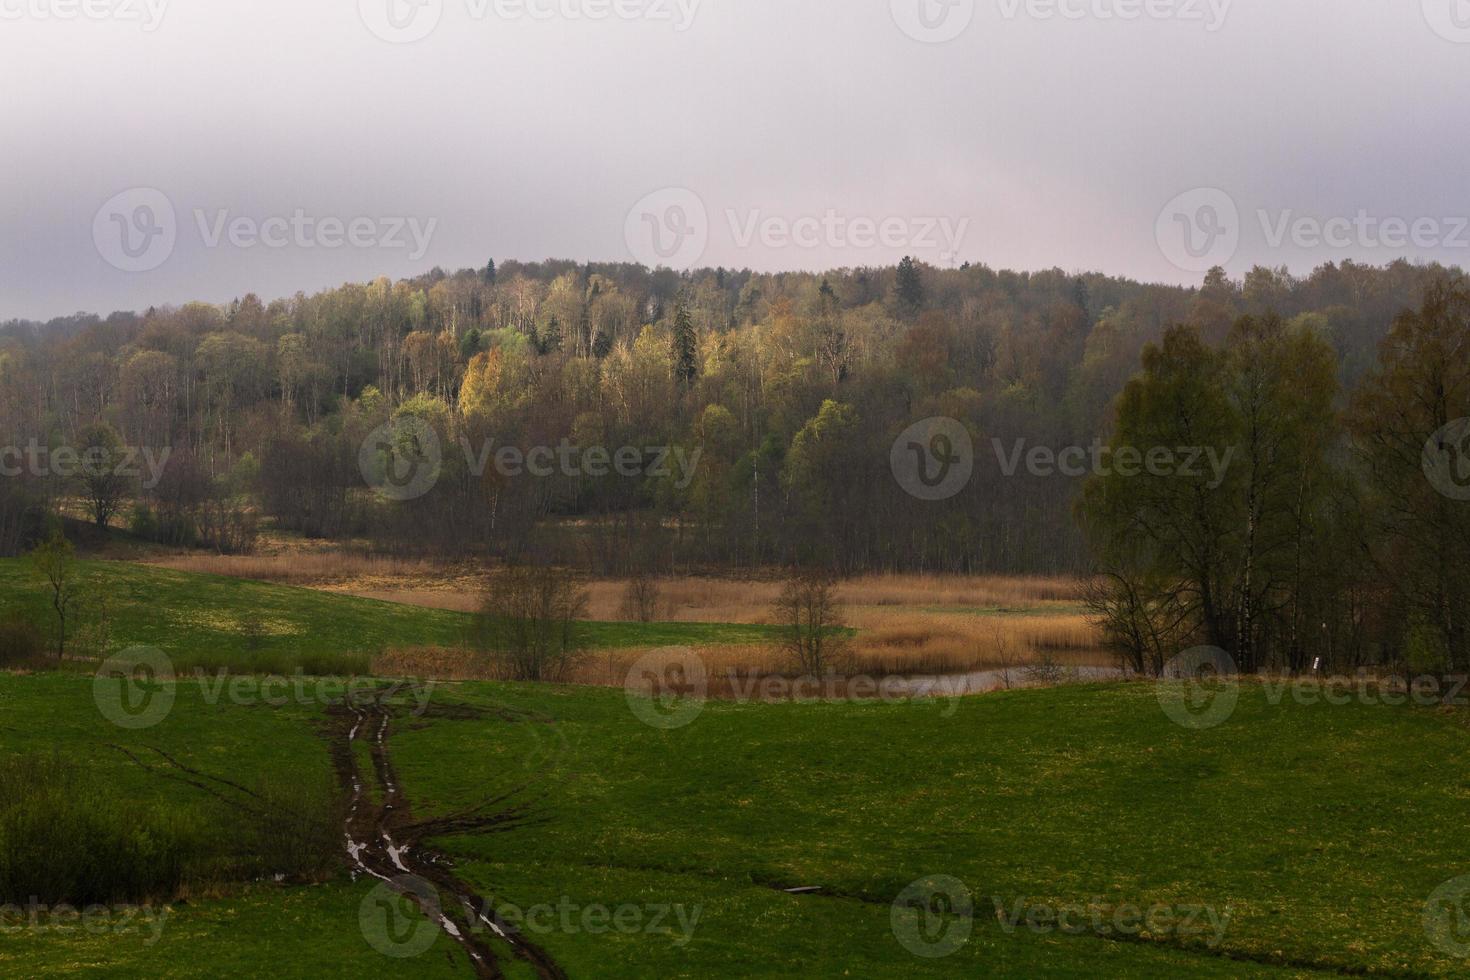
pixel 686 366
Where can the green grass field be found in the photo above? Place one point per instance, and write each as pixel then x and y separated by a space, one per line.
pixel 211 621
pixel 1320 830
pixel 1297 839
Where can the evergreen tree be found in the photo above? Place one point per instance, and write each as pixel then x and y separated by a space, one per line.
pixel 909 289
pixel 602 346
pixel 686 365
pixel 551 339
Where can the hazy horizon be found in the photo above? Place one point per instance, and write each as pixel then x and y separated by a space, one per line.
pixel 171 160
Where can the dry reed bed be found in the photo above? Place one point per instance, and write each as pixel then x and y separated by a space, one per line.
pixel 907 624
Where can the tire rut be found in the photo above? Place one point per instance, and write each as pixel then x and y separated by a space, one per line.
pixel 384 842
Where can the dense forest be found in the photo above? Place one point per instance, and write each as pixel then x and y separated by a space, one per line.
pixel 792 389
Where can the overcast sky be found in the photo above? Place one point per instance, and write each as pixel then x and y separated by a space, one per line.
pixel 158 151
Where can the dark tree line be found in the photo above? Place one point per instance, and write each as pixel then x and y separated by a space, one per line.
pixel 792 389
pixel 1337 538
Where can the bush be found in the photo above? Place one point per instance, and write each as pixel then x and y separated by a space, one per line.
pixel 528 625
pixel 64 838
pixel 143 523
pixel 641 599
pixel 21 642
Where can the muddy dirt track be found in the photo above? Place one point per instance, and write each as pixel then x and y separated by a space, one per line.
pixel 385 842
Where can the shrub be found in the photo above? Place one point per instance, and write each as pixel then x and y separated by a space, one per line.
pixel 65 838
pixel 527 626
pixel 809 615
pixel 640 599
pixel 21 642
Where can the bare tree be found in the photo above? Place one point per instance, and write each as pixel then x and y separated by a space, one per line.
pixel 55 560
pixel 1143 622
pixel 640 598
pixel 1006 656
pixel 810 619
pixel 528 625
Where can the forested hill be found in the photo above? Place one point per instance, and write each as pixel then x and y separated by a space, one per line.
pixel 792 387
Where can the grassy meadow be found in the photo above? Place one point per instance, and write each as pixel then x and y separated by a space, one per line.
pixel 1069 795
pixel 1307 836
